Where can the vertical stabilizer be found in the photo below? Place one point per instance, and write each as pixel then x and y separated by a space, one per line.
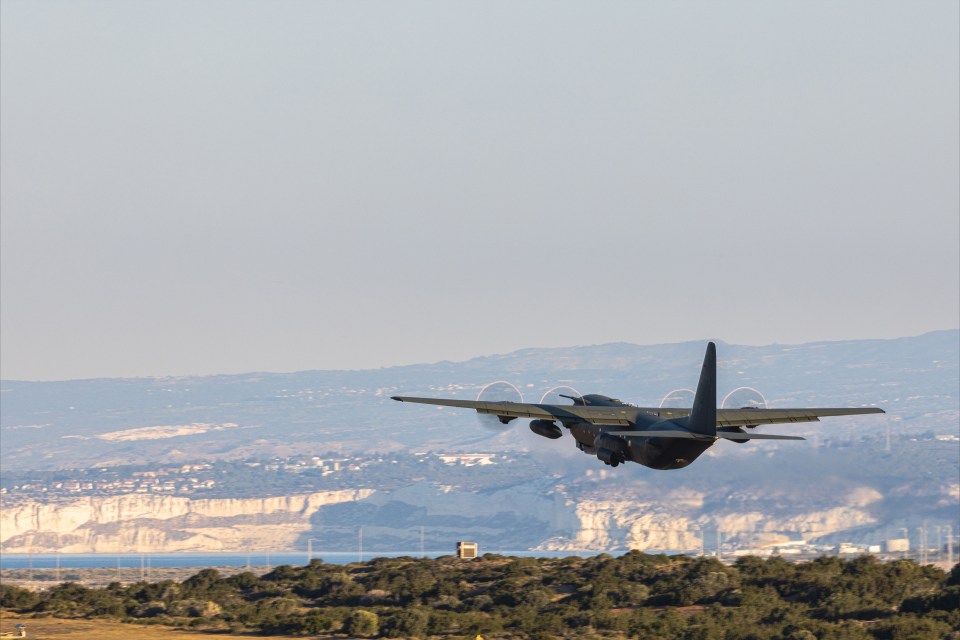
pixel 703 415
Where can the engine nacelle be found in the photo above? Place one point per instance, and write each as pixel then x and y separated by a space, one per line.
pixel 613 443
pixel 608 457
pixel 610 449
pixel 545 428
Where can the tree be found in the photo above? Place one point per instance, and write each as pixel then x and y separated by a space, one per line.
pixel 17 598
pixel 245 580
pixel 316 622
pixel 203 584
pixel 911 628
pixel 411 623
pixel 363 623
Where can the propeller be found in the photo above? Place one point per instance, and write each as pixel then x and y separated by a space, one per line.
pixel 744 398
pixel 499 391
pixel 553 396
pixel 678 399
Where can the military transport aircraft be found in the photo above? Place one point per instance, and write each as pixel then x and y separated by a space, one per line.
pixel 659 438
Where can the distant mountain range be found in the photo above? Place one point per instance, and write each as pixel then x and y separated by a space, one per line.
pixel 862 479
pixel 61 424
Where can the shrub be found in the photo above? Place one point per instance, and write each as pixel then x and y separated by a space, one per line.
pixel 363 623
pixel 17 598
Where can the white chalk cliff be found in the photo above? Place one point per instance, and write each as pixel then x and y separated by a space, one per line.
pixel 520 516
pixel 157 523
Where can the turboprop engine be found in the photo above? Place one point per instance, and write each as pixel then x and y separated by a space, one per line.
pixel 545 428
pixel 610 449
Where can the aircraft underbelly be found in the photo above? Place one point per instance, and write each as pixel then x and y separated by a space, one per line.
pixel 666 453
pixel 656 453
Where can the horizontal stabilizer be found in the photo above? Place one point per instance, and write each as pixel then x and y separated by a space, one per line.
pixel 661 434
pixel 755 436
pixel 695 436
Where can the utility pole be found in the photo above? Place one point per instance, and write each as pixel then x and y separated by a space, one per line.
pixel 360 544
pixel 310 548
pixel 950 545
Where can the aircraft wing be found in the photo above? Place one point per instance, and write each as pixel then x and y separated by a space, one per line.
pixel 754 417
pixel 621 415
pixel 627 415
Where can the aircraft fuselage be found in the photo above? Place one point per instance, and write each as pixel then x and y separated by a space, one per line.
pixel 656 453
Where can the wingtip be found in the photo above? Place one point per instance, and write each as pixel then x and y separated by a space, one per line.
pixel 398 398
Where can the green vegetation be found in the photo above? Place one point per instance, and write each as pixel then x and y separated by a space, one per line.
pixel 635 595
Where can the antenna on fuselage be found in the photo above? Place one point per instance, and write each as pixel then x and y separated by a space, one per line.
pixel 576 399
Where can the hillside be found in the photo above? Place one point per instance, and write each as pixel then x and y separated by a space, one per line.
pixel 501 597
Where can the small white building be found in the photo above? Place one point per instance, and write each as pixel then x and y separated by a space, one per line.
pixel 896 545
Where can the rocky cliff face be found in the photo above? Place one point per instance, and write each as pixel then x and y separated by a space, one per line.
pixel 143 522
pixel 539 515
pixel 681 521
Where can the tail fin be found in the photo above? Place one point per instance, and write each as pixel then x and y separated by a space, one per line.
pixel 703 415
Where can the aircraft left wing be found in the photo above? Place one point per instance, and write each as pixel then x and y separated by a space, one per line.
pixel 620 415
pixel 754 417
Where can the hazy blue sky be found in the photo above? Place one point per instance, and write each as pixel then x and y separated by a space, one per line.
pixel 214 187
